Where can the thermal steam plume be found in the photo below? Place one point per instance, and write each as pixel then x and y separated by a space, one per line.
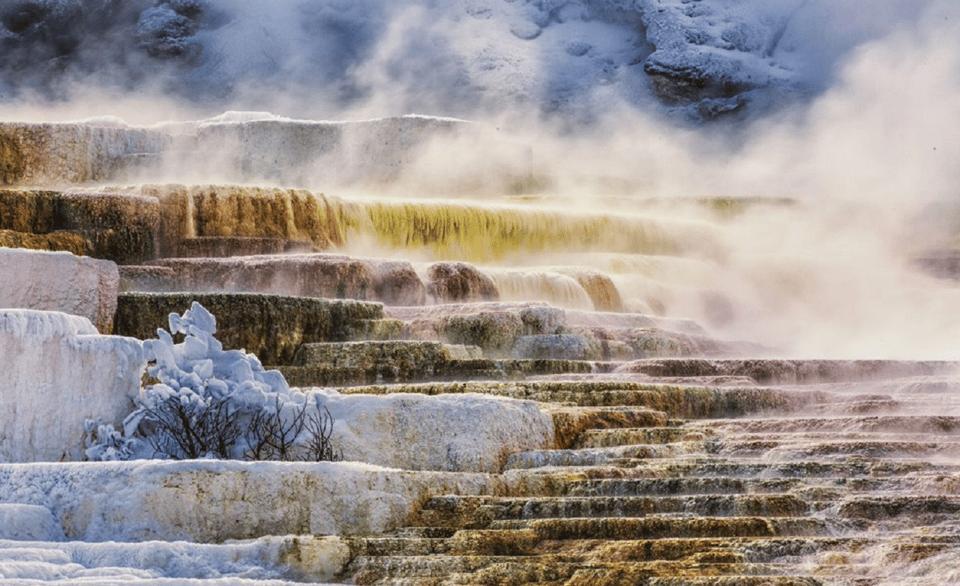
pixel 860 134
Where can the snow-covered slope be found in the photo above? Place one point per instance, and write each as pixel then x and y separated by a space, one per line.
pixel 463 57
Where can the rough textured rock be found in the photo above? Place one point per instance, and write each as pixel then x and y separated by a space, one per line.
pixel 60 372
pixel 457 282
pixel 218 211
pixel 60 281
pixel 775 371
pixel 310 275
pixel 633 320
pixel 638 343
pixel 397 283
pixel 147 279
pixel 69 154
pixel 557 347
pixel 542 320
pixel 371 362
pixel 703 57
pixel 430 322
pixel 494 332
pixel 272 327
pixel 394 354
pixel 118 227
pixel 467 367
pixel 59 240
pixel 164 32
pixel 223 246
pixel 172 500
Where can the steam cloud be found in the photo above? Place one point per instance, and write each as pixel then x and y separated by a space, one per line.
pixel 860 128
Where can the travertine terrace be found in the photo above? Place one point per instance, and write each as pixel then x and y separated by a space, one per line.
pixel 635 439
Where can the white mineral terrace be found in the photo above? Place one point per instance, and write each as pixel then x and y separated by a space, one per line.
pixel 662 293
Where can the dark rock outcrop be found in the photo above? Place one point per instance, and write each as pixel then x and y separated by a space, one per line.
pixel 273 327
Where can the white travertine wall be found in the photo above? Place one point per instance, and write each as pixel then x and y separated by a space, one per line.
pixel 60 281
pixel 210 501
pixel 59 372
pixel 465 432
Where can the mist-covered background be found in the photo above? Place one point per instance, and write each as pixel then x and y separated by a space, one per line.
pixel 467 58
pixel 850 109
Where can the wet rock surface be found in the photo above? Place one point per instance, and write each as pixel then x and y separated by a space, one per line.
pixel 458 283
pixel 115 227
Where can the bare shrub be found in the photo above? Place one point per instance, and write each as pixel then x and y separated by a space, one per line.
pixel 318 444
pixel 185 430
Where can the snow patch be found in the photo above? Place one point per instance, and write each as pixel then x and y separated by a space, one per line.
pixel 212 501
pixel 464 432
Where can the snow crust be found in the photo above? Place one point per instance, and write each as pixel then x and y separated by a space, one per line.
pixel 462 432
pixel 60 281
pixel 60 372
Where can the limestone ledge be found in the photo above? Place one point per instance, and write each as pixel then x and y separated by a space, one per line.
pixel 60 373
pixel 213 501
pixel 468 432
pixel 60 281
pixel 119 227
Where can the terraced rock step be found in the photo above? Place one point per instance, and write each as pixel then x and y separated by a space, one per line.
pixel 473 369
pixel 659 485
pixel 271 326
pixel 778 372
pixel 675 401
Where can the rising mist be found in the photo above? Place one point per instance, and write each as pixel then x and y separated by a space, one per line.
pixel 856 132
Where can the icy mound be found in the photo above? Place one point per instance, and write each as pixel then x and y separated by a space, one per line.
pixel 204 398
pixel 214 403
pixel 212 501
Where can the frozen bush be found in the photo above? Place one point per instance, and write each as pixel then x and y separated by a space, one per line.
pixel 207 402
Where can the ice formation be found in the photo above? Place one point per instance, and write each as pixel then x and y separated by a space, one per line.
pixel 199 376
pixel 466 432
pixel 211 501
